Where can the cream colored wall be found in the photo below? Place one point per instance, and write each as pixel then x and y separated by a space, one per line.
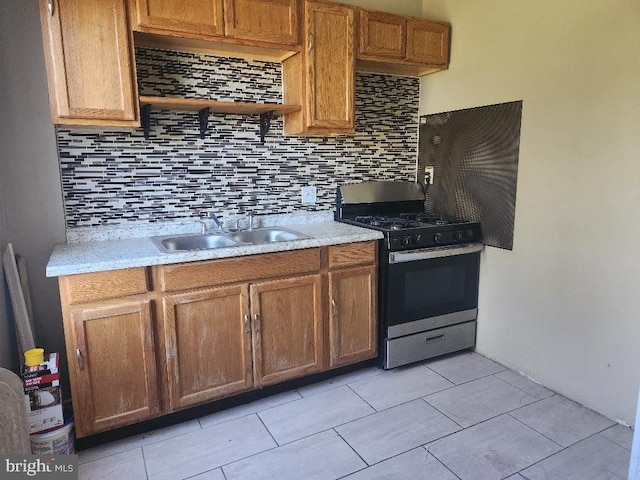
pixel 563 306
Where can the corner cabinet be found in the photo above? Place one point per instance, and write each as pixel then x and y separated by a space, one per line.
pixel 322 77
pixel 398 44
pixel 88 51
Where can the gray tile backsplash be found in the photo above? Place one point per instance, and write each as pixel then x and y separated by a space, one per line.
pixel 110 177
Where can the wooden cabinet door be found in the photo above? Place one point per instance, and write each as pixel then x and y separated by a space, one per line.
pixel 273 21
pixel 322 77
pixel 113 376
pixel 381 36
pixel 208 344
pixel 189 18
pixel 287 329
pixel 353 315
pixel 427 42
pixel 90 62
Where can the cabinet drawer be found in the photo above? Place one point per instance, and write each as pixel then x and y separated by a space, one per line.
pixel 352 254
pixel 240 269
pixel 90 287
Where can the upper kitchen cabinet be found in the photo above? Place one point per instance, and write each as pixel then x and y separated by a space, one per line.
pixel 260 29
pixel 391 43
pixel 90 64
pixel 188 18
pixel 274 21
pixel 322 77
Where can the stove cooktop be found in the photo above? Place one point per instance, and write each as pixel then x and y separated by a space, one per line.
pixel 406 221
pixel 397 209
pixel 419 230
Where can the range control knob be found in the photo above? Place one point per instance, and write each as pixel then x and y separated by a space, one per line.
pixel 470 235
pixel 407 241
pixel 437 238
pixel 460 235
pixel 417 239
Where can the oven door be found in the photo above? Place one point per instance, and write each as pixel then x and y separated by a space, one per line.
pixel 431 288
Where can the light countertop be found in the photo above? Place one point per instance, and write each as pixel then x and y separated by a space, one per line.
pixel 111 254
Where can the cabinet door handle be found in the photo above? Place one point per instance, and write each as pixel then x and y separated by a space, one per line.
pixel 247 324
pixel 311 41
pixel 334 308
pixel 79 359
pixel 50 7
pixel 256 322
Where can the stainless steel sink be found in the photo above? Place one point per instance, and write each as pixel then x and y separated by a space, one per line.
pixel 185 243
pixel 266 235
pixel 181 243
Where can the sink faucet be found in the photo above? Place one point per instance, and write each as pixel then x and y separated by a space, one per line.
pixel 250 220
pixel 205 225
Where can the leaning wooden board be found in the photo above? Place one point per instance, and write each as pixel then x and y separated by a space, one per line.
pixel 20 314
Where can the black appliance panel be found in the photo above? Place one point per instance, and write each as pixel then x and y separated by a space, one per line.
pixel 427 288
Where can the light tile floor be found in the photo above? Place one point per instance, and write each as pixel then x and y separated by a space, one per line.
pixel 459 417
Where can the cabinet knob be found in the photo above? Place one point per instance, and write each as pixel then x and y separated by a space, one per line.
pixel 50 7
pixel 334 308
pixel 247 324
pixel 256 322
pixel 79 359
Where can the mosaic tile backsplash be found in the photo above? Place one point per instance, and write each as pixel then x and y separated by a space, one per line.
pixel 110 177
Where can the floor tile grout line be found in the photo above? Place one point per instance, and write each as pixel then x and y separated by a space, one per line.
pixel 526 393
pixel 267 429
pixel 440 461
pixel 562 447
pixel 249 413
pixel 354 451
pixel 441 412
pixel 380 372
pixel 604 430
pixel 144 462
pixel 483 420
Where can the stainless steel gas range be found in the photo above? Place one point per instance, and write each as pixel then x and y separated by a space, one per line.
pixel 428 272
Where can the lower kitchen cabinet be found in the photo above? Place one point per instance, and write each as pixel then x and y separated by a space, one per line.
pixel 208 344
pixel 144 342
pixel 353 324
pixel 352 321
pixel 288 329
pixel 112 364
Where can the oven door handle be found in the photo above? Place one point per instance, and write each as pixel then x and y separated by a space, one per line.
pixel 438 252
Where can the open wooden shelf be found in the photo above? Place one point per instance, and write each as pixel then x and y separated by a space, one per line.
pixel 205 107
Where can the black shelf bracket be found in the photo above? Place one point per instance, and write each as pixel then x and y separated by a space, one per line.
pixel 265 124
pixel 203 116
pixel 146 120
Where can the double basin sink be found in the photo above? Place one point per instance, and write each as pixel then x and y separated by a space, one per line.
pixel 185 243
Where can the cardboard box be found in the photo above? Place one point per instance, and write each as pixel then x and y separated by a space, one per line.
pixel 43 395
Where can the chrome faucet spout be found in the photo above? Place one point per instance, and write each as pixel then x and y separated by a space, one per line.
pixel 215 220
pixel 205 225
